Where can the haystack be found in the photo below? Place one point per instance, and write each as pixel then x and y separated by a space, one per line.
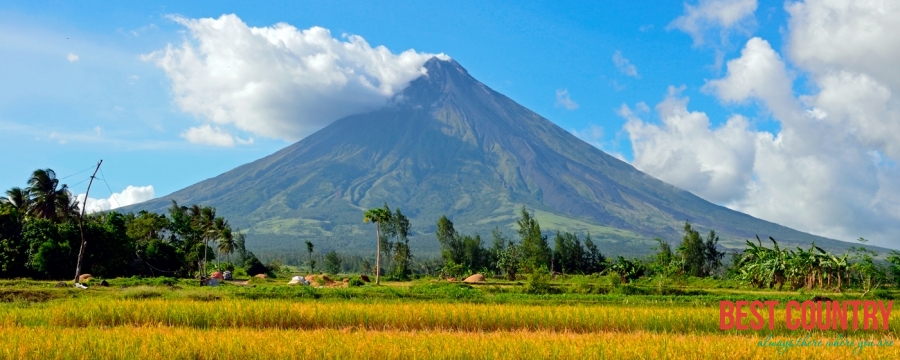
pixel 477 278
pixel 261 276
pixel 298 280
pixel 84 277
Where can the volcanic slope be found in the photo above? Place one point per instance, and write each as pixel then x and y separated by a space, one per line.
pixel 448 144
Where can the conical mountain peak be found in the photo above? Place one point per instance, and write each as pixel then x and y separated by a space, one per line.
pixel 442 78
pixel 449 145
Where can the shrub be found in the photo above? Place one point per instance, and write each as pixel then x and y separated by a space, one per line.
pixel 202 295
pixel 883 294
pixel 445 290
pixel 539 283
pixel 142 292
pixel 253 266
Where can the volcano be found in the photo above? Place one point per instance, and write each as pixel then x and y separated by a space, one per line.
pixel 449 145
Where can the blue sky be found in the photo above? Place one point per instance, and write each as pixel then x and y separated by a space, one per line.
pixel 79 83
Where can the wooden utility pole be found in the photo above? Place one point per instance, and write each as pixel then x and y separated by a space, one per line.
pixel 81 221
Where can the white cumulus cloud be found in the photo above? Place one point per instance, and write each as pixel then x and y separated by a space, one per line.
pixel 130 195
pixel 685 151
pixel 564 100
pixel 72 57
pixel 831 168
pixel 624 65
pixel 208 135
pixel 280 81
pixel 724 15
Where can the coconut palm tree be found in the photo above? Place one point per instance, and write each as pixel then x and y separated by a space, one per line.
pixel 309 249
pixel 204 220
pixel 47 199
pixel 225 238
pixel 378 216
pixel 19 200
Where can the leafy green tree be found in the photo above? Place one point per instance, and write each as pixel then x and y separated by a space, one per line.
pixel 462 254
pixel 379 216
pixel 498 245
pixel 663 259
pixel 113 249
pixel 509 260
pixel 253 266
pixel 402 254
pixel 893 260
pixel 50 252
pixel 712 257
pixel 402 260
pixel 146 226
pixel 692 251
pixel 627 270
pixel 187 237
pixel 161 258
pixel 240 245
pixel 332 262
pixel 535 251
pixel 569 254
pixel 869 274
pixel 13 250
pixel 452 248
pixel 594 259
pixel 474 255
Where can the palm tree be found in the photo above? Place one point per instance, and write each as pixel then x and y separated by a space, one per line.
pixel 205 222
pixel 309 249
pixel 46 198
pixel 226 238
pixel 378 216
pixel 19 200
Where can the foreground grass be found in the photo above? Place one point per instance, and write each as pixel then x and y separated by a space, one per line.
pixel 180 343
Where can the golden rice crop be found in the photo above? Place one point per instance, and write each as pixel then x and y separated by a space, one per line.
pixel 89 328
pixel 281 314
pixel 404 316
pixel 178 343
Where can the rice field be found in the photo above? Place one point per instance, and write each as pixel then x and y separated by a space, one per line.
pixel 127 342
pixel 117 325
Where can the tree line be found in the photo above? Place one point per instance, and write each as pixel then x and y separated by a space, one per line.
pixel 696 256
pixel 466 254
pixel 39 237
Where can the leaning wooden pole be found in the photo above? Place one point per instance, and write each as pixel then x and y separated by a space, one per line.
pixel 81 221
